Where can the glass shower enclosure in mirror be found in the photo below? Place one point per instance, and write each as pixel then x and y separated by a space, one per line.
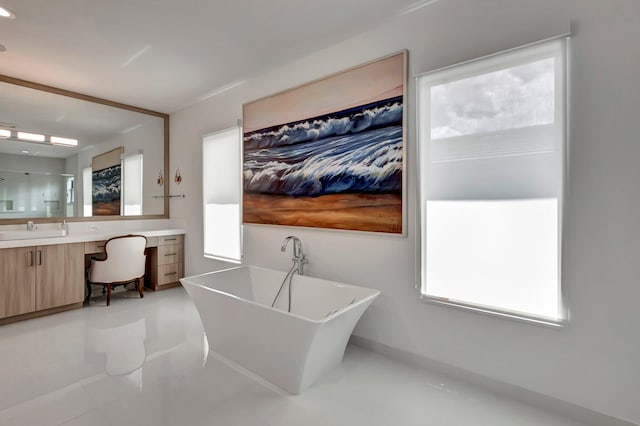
pixel 52 143
pixel 33 194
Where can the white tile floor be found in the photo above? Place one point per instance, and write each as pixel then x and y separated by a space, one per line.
pixel 145 362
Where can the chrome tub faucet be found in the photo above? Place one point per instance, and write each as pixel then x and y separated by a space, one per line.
pixel 299 259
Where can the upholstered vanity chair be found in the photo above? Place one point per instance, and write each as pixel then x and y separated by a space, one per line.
pixel 124 264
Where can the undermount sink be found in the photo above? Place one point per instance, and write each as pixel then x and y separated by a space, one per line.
pixel 33 234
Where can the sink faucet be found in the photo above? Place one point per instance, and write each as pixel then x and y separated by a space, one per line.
pixel 299 258
pixel 30 226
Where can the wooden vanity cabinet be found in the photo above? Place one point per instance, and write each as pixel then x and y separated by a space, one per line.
pixel 166 263
pixel 40 278
pixel 60 275
pixel 17 281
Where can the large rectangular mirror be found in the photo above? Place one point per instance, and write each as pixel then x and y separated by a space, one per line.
pixel 65 155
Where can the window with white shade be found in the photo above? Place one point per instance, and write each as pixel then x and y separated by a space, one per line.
pixel 492 155
pixel 132 185
pixel 87 181
pixel 222 178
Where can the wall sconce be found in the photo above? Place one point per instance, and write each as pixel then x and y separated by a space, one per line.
pixel 160 180
pixel 178 177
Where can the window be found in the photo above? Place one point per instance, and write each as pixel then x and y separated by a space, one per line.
pixel 222 179
pixel 87 181
pixel 492 155
pixel 132 185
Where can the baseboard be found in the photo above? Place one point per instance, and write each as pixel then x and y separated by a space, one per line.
pixel 567 409
pixel 38 314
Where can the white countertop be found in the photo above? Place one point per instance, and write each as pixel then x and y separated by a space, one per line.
pixel 84 237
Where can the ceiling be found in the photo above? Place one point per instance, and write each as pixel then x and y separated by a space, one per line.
pixel 164 55
pixel 46 113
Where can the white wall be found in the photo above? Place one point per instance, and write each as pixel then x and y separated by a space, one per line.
pixel 32 164
pixel 595 360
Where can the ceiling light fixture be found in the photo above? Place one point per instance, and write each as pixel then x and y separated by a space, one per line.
pixel 63 141
pixel 6 13
pixel 20 136
pixel 34 137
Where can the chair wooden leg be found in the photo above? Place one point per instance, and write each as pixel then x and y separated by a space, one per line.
pixel 140 284
pixel 108 294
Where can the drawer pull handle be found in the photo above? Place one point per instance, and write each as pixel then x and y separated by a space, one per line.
pixel 170 273
pixel 102 246
pixel 171 239
pixel 32 256
pixel 170 254
pixel 39 257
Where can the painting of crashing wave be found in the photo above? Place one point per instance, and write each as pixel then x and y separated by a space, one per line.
pixel 106 188
pixel 329 154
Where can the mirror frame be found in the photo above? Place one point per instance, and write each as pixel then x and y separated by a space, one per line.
pixel 88 98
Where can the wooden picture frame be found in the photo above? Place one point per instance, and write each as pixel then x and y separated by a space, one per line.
pixel 330 153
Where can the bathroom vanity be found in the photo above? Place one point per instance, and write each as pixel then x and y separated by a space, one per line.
pixel 165 259
pixel 53 188
pixel 40 276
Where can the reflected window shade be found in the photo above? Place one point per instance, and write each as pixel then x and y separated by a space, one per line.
pixel 492 142
pixel 221 173
pixel 132 185
pixel 87 209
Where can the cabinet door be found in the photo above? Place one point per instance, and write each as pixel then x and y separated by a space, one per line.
pixel 17 281
pixel 60 275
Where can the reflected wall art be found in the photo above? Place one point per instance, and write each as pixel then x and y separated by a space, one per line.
pixel 106 186
pixel 329 154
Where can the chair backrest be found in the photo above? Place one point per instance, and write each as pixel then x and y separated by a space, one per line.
pixel 125 260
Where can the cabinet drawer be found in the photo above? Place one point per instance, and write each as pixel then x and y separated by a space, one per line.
pixel 171 253
pixel 170 239
pixel 169 273
pixel 91 247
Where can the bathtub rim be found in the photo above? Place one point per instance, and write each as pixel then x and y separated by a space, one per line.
pixel 337 313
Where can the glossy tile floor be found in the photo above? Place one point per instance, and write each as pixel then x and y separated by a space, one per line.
pixel 146 362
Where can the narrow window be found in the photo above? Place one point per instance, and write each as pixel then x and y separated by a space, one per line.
pixel 87 180
pixel 132 185
pixel 492 155
pixel 222 194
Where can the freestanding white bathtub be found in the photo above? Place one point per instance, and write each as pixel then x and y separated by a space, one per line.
pixel 291 350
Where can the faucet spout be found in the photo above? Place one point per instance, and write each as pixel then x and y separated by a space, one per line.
pixel 299 258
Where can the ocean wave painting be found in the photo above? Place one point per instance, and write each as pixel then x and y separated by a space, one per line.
pixel 340 169
pixel 360 151
pixel 106 189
